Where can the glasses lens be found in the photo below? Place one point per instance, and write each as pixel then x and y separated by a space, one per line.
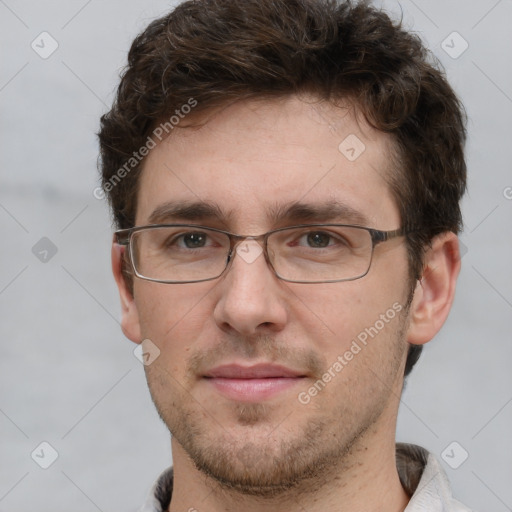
pixel 321 253
pixel 179 254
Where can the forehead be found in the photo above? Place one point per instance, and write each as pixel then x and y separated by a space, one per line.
pixel 254 161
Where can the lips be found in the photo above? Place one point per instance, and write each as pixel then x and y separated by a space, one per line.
pixel 252 383
pixel 259 371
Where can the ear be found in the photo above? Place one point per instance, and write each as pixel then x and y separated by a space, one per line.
pixel 435 291
pixel 130 316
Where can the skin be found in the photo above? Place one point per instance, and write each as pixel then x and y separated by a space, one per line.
pixel 338 451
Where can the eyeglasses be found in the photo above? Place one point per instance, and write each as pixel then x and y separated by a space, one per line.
pixel 312 253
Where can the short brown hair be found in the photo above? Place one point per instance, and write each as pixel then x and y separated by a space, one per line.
pixel 219 51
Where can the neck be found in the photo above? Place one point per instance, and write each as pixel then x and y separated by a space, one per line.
pixel 365 480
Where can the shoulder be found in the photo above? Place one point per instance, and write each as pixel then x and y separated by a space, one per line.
pixel 423 477
pixel 159 497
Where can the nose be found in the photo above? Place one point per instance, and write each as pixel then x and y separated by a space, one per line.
pixel 251 297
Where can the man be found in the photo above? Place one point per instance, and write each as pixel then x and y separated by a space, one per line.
pixel 285 177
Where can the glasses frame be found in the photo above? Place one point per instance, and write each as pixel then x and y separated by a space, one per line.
pixel 124 237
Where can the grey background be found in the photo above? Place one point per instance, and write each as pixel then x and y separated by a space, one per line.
pixel 68 376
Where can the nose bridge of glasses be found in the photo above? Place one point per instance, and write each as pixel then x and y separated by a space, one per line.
pixel 247 247
pixel 237 240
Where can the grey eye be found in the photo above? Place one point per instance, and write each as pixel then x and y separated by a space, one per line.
pixel 318 239
pixel 192 240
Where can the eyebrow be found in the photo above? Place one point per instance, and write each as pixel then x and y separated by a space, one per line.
pixel 172 211
pixel 295 212
pixel 329 211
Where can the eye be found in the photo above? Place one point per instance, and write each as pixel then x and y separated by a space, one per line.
pixel 318 239
pixel 193 240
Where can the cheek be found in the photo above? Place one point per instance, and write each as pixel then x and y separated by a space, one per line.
pixel 335 314
pixel 172 317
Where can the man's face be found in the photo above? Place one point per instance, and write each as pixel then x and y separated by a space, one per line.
pixel 264 434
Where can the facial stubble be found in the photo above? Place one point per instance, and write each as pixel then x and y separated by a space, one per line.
pixel 271 459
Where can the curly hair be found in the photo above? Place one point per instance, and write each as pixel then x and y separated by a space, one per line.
pixel 219 51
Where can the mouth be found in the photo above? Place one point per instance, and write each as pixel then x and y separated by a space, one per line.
pixel 252 383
